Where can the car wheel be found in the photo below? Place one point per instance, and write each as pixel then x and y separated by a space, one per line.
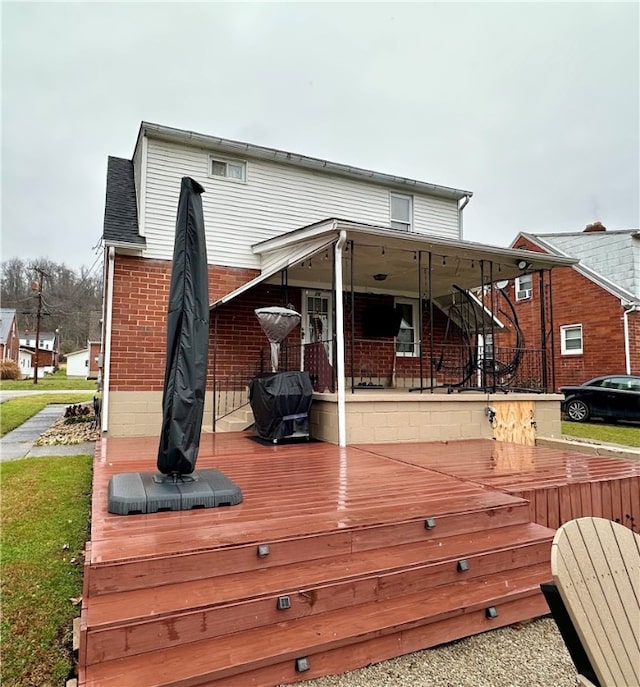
pixel 578 411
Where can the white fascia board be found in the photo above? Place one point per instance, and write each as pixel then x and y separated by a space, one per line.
pixel 295 236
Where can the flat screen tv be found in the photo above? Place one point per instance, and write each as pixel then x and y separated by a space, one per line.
pixel 381 321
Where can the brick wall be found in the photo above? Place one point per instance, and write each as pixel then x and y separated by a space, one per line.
pixel 140 298
pixel 138 347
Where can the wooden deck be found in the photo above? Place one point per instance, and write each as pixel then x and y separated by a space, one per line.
pixel 377 550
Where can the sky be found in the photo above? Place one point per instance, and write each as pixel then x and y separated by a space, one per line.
pixel 535 107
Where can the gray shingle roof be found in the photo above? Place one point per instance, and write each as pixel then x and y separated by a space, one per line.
pixel 614 255
pixel 6 318
pixel 121 210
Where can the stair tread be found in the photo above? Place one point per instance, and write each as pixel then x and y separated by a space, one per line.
pixel 122 607
pixel 194 663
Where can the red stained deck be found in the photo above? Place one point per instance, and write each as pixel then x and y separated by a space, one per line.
pixel 364 541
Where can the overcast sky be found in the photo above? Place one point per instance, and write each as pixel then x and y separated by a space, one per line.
pixel 533 107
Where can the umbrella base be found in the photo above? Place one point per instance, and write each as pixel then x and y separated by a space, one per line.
pixel 135 493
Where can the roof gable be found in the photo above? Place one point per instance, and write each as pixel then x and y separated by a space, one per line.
pixel 7 317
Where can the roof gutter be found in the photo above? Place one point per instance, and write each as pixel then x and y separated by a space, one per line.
pixel 461 207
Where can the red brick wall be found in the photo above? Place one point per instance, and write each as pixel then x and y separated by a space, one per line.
pixel 138 345
pixel 140 297
pixel 576 300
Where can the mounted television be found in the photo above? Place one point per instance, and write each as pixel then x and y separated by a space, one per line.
pixel 381 321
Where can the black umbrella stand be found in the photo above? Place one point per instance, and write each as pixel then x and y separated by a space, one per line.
pixel 178 486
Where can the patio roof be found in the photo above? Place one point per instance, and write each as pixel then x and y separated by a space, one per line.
pixel 386 260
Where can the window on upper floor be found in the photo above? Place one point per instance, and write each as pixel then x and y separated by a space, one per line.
pixel 407 339
pixel 401 211
pixel 233 170
pixel 571 339
pixel 524 287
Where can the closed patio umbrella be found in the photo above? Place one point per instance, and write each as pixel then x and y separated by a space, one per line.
pixel 187 338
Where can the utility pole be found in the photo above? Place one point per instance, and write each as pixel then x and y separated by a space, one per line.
pixel 37 286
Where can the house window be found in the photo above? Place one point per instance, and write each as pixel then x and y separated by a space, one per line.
pixel 401 211
pixel 233 170
pixel 407 339
pixel 571 339
pixel 524 287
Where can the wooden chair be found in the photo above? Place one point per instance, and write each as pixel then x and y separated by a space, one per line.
pixel 595 565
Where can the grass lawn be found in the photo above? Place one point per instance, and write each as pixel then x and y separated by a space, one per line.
pixel 45 515
pixel 18 410
pixel 56 381
pixel 625 435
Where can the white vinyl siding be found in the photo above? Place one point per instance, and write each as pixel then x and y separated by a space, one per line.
pixel 275 199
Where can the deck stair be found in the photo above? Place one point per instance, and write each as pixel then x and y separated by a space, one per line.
pixel 313 603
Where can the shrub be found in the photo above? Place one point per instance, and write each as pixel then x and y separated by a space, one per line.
pixel 9 369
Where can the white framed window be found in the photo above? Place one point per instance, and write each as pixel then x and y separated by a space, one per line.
pixel 234 170
pixel 407 341
pixel 401 211
pixel 571 339
pixel 524 287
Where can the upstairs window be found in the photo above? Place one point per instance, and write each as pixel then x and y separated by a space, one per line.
pixel 401 211
pixel 571 339
pixel 228 169
pixel 524 287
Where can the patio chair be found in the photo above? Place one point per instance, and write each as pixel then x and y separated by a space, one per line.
pixel 595 565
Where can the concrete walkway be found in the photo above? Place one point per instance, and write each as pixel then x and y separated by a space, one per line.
pixel 19 442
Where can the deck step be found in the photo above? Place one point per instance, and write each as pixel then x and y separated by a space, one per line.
pixel 205 561
pixel 133 622
pixel 234 657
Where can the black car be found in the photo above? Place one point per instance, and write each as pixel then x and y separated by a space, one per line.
pixel 614 397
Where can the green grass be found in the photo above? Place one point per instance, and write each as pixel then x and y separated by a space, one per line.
pixel 626 435
pixel 45 515
pixel 58 381
pixel 18 410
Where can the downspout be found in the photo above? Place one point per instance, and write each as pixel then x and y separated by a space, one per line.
pixel 625 325
pixel 107 340
pixel 342 415
pixel 461 207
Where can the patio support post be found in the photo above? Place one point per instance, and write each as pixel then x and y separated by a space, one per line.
pixel 430 323
pixel 420 318
pixel 543 332
pixel 552 337
pixel 483 368
pixel 215 364
pixel 339 332
pixel 353 319
pixel 493 329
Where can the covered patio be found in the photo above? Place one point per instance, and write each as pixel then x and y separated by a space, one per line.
pixel 393 312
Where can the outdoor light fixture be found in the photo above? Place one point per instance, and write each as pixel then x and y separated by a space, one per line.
pixel 523 265
pixel 380 276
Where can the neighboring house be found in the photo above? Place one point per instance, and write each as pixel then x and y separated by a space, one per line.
pixel 48 354
pixel 78 363
pixel 9 341
pixel 25 361
pixel 596 302
pixel 362 255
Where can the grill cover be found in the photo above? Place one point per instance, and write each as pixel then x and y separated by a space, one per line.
pixel 280 402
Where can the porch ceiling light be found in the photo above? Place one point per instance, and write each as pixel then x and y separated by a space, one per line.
pixel 380 276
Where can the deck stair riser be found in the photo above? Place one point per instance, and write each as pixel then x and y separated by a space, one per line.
pixel 174 614
pixel 244 655
pixel 156 570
